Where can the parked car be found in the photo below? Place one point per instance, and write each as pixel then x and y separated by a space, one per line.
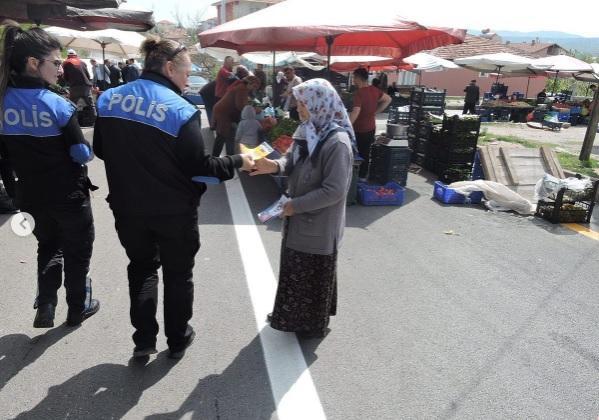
pixel 195 84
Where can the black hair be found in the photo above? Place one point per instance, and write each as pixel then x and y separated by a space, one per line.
pixel 361 73
pixel 17 46
pixel 158 51
pixel 376 82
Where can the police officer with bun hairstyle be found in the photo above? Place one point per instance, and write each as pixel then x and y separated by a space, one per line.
pixel 149 138
pixel 41 138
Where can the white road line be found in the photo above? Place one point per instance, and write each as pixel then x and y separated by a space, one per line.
pixel 292 387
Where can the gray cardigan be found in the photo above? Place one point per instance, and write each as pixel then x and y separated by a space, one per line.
pixel 318 192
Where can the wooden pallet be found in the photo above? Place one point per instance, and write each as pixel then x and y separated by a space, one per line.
pixel 519 168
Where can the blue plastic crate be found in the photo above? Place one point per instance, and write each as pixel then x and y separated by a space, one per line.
pixel 367 194
pixel 448 196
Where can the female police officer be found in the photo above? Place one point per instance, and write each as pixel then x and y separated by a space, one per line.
pixel 149 138
pixel 41 138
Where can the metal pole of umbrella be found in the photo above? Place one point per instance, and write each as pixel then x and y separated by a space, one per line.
pixel 555 83
pixel 498 74
pixel 274 72
pixel 329 39
pixel 527 86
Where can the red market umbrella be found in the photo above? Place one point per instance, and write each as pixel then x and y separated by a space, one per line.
pixel 331 27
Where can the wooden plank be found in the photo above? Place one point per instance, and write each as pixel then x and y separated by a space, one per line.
pixel 559 171
pixel 493 156
pixel 547 158
pixel 485 161
pixel 509 165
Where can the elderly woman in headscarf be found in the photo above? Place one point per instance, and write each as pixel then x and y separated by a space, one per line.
pixel 227 112
pixel 319 167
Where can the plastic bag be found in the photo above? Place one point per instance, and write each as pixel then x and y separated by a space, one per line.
pixel 274 210
pixel 499 197
pixel 549 185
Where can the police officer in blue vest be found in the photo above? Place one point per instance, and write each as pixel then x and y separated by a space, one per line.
pixel 41 139
pixel 149 138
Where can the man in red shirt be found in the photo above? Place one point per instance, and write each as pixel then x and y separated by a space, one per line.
pixel 367 102
pixel 224 74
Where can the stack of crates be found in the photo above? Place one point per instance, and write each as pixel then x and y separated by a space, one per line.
pixel 422 102
pixel 451 150
pixel 389 162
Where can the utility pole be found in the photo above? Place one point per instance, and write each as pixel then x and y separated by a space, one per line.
pixel 589 138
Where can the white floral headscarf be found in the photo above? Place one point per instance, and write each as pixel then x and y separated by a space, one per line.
pixel 327 113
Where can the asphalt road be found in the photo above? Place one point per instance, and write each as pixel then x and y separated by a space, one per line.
pixel 496 320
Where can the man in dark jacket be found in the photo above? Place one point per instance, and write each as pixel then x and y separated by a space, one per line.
pixel 115 73
pixel 472 98
pixel 77 78
pixel 150 140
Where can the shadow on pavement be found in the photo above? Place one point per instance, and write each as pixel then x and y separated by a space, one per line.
pixel 105 391
pixel 241 391
pixel 17 351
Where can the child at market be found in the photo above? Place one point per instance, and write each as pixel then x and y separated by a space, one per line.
pixel 249 131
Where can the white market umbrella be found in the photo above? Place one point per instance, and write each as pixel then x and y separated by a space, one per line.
pixel 591 77
pixel 560 63
pixel 429 62
pixel 496 63
pixel 108 40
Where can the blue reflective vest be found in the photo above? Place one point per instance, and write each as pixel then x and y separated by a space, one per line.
pixel 34 112
pixel 147 102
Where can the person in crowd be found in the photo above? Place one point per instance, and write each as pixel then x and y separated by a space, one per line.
pixel 319 167
pixel 41 140
pixel 131 73
pixel 223 76
pixel 392 90
pixel 227 112
pixel 208 94
pixel 154 189
pixel 115 73
pixel 100 75
pixel 249 130
pixel 292 81
pixel 261 75
pixel 376 82
pixel 472 98
pixel 77 78
pixel 280 86
pixel 367 102
pixel 542 96
pixel 124 71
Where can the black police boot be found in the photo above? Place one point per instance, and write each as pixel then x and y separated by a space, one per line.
pixel 179 352
pixel 44 318
pixel 76 318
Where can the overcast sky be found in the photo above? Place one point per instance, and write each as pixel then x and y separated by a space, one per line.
pixel 513 15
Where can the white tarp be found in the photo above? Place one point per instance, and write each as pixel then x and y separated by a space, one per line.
pixel 427 62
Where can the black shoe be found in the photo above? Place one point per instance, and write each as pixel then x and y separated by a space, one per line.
pixel 44 318
pixel 180 352
pixel 74 319
pixel 139 352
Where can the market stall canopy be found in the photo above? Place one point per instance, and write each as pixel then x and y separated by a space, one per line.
pixel 121 43
pixel 591 77
pixel 560 63
pixel 427 62
pixel 380 29
pixel 124 18
pixel 501 62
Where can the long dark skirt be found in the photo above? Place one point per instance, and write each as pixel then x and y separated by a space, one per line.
pixel 307 293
